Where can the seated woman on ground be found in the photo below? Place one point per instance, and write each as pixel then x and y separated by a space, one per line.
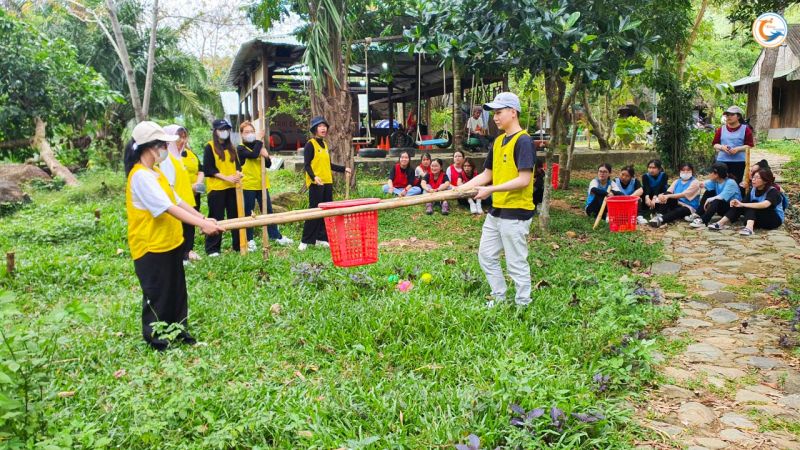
pixel 470 171
pixel 436 181
pixel 720 190
pixel 762 207
pixel 654 183
pixel 402 181
pixel 598 190
pixel 681 199
pixel 424 166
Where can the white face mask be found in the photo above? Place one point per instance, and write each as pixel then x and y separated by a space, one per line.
pixel 223 134
pixel 162 155
pixel 250 137
pixel 686 175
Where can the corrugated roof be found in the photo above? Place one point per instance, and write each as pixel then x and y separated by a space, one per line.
pixel 252 49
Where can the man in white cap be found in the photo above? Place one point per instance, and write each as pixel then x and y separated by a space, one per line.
pixel 508 172
pixel 731 142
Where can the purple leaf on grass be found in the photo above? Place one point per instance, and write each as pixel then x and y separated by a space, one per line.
pixel 474 441
pixel 517 409
pixel 588 417
pixel 557 417
pixel 534 413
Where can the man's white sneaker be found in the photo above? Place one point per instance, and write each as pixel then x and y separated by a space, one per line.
pixel 302 246
pixel 697 223
pixel 691 217
pixel 213 255
pixel 284 241
pixel 251 246
pixel 323 244
pixel 641 220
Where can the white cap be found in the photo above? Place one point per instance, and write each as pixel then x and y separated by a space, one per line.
pixel 148 131
pixel 504 100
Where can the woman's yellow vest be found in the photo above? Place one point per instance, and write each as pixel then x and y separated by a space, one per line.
pixel 148 234
pixel 252 174
pixel 183 185
pixel 321 164
pixel 192 164
pixel 225 167
pixel 504 169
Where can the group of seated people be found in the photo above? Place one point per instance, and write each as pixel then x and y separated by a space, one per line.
pixel 762 205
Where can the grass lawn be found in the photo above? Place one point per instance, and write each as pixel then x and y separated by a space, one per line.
pixel 347 362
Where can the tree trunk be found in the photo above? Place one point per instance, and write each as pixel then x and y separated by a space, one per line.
pixel 458 136
pixel 597 128
pixel 554 89
pixel 49 158
pixel 16 143
pixel 764 99
pixel 683 51
pixel 566 171
pixel 151 62
pixel 124 58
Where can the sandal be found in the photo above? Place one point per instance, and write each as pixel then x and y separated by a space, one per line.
pixel 715 227
pixel 746 231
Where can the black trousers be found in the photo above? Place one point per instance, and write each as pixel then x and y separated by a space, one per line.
pixel 594 207
pixel 220 204
pixel 188 231
pixel 673 210
pixel 645 210
pixel 766 219
pixel 707 211
pixel 736 170
pixel 314 230
pixel 164 297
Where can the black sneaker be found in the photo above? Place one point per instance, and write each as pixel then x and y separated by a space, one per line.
pixel 187 339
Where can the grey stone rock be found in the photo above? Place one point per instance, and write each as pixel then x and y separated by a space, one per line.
pixel 678 374
pixel 665 268
pixel 670 430
pixel 693 323
pixel 726 372
pixel 722 296
pixel 746 396
pixel 711 443
pixel 791 401
pixel 673 392
pixel 776 412
pixel 698 305
pixel 695 414
pixel 703 353
pixel 711 285
pixel 734 435
pixel 744 307
pixel 762 362
pixel 723 342
pixel 747 350
pixel 736 421
pixel 722 315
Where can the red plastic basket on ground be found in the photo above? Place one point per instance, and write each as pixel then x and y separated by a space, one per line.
pixel 353 237
pixel 622 211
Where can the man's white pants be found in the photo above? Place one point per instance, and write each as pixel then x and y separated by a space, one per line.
pixel 510 236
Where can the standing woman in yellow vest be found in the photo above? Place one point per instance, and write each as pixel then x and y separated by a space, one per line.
pixel 250 151
pixel 222 169
pixel 318 169
pixel 509 170
pixel 176 169
pixel 155 212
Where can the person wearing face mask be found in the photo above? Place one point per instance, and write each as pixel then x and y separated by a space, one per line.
pixel 155 236
pixel 763 207
pixel 223 173
pixel 180 179
pixel 251 150
pixel 720 190
pixel 598 190
pixel 318 168
pixel 680 200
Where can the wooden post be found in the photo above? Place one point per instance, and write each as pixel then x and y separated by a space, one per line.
pixel 347 185
pixel 265 124
pixel 96 217
pixel 240 213
pixel 746 175
pixel 10 263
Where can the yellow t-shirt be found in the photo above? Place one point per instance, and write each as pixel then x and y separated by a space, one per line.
pixel 148 234
pixel 321 164
pixel 252 173
pixel 504 168
pixel 225 167
pixel 183 185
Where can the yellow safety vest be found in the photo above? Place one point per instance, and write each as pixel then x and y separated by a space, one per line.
pixel 321 164
pixel 252 174
pixel 148 234
pixel 225 167
pixel 183 186
pixel 504 169
pixel 192 164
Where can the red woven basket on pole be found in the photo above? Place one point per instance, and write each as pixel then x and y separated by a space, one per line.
pixel 353 237
pixel 622 212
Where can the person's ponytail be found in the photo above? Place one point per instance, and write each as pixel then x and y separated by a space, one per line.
pixel 131 156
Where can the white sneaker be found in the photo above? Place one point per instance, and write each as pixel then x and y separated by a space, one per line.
pixel 697 223
pixel 323 244
pixel 478 207
pixel 302 246
pixel 691 217
pixel 185 262
pixel 472 207
pixel 284 241
pixel 213 255
pixel 251 246
pixel 641 220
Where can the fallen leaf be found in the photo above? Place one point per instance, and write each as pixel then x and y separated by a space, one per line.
pixel 555 246
pixel 305 434
pixel 299 375
pixel 571 234
pixel 275 309
pixel 120 251
pixel 66 394
pixel 202 428
pixel 541 284
pixel 772 385
pixel 120 373
pixel 449 261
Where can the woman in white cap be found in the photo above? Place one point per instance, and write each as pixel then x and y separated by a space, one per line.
pixel 508 172
pixel 731 142
pixel 223 173
pixel 318 169
pixel 155 213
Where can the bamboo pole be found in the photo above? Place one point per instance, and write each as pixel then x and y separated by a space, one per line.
pixel 602 207
pixel 264 232
pixel 746 174
pixel 240 213
pixel 10 263
pixel 317 213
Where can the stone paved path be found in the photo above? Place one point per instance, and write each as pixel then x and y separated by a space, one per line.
pixel 733 386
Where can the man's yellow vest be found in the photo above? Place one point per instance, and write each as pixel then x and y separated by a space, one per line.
pixel 148 234
pixel 504 168
pixel 225 167
pixel 252 174
pixel 321 164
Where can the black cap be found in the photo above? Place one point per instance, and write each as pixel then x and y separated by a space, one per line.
pixel 317 121
pixel 221 124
